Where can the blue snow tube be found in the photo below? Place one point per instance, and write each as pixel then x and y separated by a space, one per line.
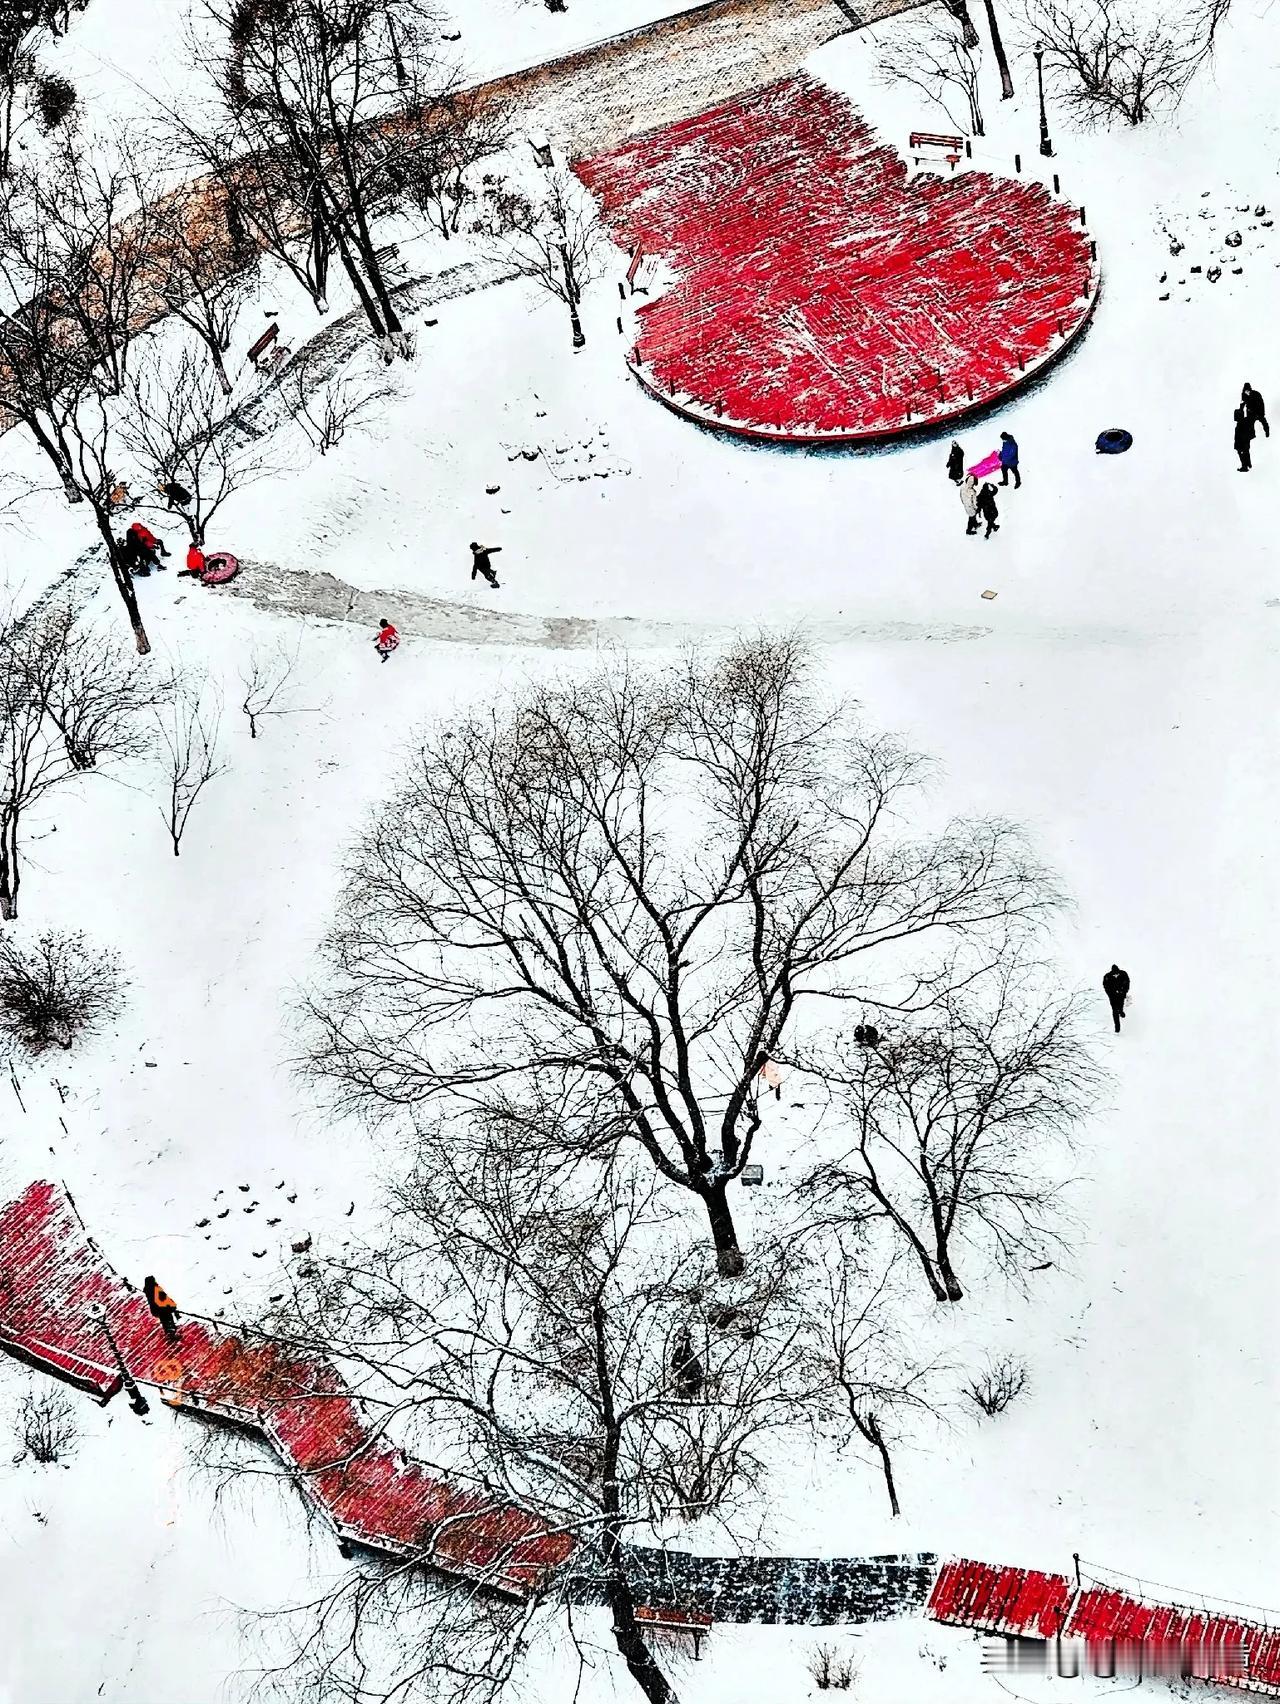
pixel 1114 441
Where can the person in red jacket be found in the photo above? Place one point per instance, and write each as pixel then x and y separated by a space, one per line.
pixel 195 562
pixel 387 639
pixel 150 548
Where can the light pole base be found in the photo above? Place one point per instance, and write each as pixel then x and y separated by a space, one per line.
pixel 1046 148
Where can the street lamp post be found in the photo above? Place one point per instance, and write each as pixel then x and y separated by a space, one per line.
pixel 137 1401
pixel 1046 147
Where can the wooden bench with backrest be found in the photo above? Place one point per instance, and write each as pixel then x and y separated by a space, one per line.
pixel 690 1621
pixel 952 146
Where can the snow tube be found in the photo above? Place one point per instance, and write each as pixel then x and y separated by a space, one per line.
pixel 219 567
pixel 987 465
pixel 1114 441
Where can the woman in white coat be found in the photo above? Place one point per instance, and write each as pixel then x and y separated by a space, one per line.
pixel 969 497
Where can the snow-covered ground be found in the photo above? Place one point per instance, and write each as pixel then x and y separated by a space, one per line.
pixel 1117 696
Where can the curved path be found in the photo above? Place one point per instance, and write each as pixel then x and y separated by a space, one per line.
pixel 65 1311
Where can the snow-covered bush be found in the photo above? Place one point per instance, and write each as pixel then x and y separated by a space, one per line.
pixel 57 991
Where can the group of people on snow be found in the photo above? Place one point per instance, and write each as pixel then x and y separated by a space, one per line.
pixel 979 501
pixel 1251 414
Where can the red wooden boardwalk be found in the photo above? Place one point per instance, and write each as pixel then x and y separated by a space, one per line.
pixel 821 293
pixel 53 1282
pixel 1023 1603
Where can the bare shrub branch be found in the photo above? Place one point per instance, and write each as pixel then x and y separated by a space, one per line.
pixel 993 1390
pixel 57 991
pixel 187 755
pixel 46 1425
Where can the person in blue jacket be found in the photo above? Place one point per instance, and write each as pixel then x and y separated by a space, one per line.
pixel 1009 460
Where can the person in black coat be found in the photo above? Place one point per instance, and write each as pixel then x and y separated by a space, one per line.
pixel 1244 439
pixel 988 510
pixel 1115 985
pixel 480 563
pixel 1255 409
pixel 955 464
pixel 163 1308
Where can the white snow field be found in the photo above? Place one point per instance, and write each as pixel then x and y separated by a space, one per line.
pixel 1117 696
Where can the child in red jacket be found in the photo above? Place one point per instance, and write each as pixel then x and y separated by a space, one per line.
pixel 387 639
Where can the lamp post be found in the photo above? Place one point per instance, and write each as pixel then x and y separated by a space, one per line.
pixel 137 1401
pixel 1046 147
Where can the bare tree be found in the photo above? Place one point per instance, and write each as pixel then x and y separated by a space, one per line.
pixel 633 882
pixel 69 699
pixel 267 678
pixel 551 1336
pixel 557 243
pixel 32 97
pixel 955 1118
pixel 327 405
pixel 1107 60
pixel 177 425
pixel 73 295
pixel 438 142
pixel 932 53
pixel 188 754
pixel 198 279
pixel 57 991
pixel 1002 1382
pixel 313 86
pixel 865 1345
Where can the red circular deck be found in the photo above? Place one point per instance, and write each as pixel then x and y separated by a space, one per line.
pixel 820 293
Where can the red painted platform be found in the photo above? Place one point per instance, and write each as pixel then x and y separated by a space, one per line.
pixel 1023 1603
pixel 53 1281
pixel 824 295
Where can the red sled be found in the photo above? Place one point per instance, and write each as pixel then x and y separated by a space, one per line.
pixel 219 567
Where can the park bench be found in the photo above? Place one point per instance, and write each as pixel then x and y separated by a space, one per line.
pixel 687 1621
pixel 952 146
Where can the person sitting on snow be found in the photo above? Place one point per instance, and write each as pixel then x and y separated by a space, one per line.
pixel 150 548
pixel 196 563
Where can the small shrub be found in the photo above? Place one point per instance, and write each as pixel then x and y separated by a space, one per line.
pixel 832 1669
pixel 993 1390
pixel 46 1426
pixel 58 990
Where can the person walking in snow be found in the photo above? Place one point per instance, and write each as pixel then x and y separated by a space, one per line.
pixel 1009 461
pixel 988 510
pixel 163 1308
pixel 955 463
pixel 1115 985
pixel 1255 409
pixel 1244 440
pixel 387 641
pixel 480 563
pixel 969 498
pixel 175 495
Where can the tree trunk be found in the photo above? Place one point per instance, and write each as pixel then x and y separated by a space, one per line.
pixel 124 584
pixel 959 10
pixel 729 1259
pixel 870 1429
pixel 220 368
pixel 572 297
pixel 951 1283
pixel 997 47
